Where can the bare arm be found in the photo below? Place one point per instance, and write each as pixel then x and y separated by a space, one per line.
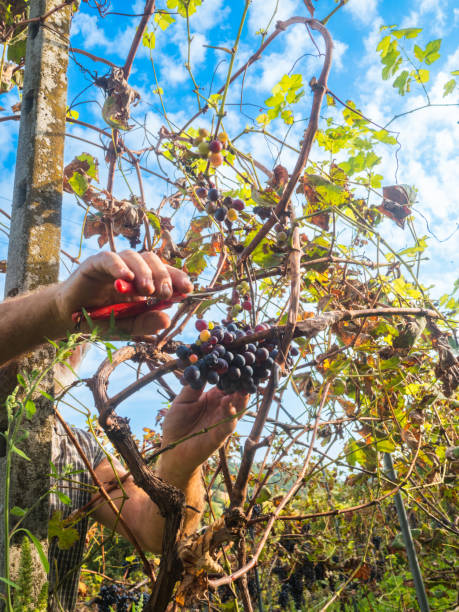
pixel 30 319
pixel 191 412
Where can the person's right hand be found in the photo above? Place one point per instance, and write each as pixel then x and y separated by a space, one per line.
pixel 91 285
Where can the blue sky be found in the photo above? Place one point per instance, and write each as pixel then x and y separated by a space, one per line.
pixel 428 138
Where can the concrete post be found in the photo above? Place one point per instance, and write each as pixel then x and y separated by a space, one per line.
pixel 33 255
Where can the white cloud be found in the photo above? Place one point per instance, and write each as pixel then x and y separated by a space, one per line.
pixel 173 71
pixel 197 49
pixel 434 8
pixel 261 12
pixel 93 36
pixel 362 11
pixel 339 49
pixel 210 14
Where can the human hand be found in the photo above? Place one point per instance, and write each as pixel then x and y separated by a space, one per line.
pixel 193 411
pixel 91 285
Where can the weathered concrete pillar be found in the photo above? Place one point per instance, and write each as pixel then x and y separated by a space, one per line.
pixel 33 255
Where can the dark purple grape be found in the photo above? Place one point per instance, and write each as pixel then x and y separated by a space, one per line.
pixel 249 358
pixel 240 334
pixel 199 384
pixel 228 357
pixel 213 195
pixel 247 372
pixel 195 348
pixel 234 373
pixel 274 353
pixel 294 352
pixel 219 349
pixel 228 338
pixel 231 327
pixel 262 354
pixel 201 192
pixel 213 377
pixel 202 365
pixel 262 373
pixel 228 202
pixel 222 366
pixel 220 214
pixel 238 361
pixel 183 352
pixel 218 333
pixel 268 363
pixel 211 360
pixel 206 348
pixel 191 374
pixel 251 348
pixel 248 385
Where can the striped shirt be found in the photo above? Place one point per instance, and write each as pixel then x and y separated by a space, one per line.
pixel 64 565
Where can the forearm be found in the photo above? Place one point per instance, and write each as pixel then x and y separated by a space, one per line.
pixel 191 484
pixel 140 513
pixel 27 321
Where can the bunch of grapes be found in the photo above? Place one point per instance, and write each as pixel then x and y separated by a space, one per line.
pixel 115 597
pixel 211 149
pixel 295 583
pixel 222 208
pixel 214 359
pixel 284 596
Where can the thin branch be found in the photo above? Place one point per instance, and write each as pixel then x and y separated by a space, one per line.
pixel 319 88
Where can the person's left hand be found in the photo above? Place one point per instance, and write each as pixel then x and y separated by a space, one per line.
pixel 193 411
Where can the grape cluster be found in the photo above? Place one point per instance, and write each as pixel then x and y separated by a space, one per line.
pixel 295 583
pixel 264 212
pixel 115 597
pixel 211 149
pixel 222 208
pixel 214 359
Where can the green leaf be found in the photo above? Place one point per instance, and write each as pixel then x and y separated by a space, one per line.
pixel 21 380
pixel 385 446
pixel 164 19
pixel 432 51
pixel 196 263
pixel 16 511
pixel 384 136
pixel 287 116
pixel 384 45
pixel 19 452
pixel 402 82
pixel 455 72
pixel 422 75
pixel 419 53
pixel 78 183
pixel 264 495
pixel 30 408
pixel 10 582
pixel 154 221
pixel 38 547
pixel 57 527
pixel 407 32
pixel 449 87
pixel 149 40
pixel 65 499
pixel 16 51
pixel 92 162
pixel 274 100
pixel 184 8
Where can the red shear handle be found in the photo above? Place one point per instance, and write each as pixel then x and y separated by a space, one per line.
pixel 124 287
pixel 126 310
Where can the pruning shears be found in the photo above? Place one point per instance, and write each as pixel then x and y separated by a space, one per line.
pixel 125 310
